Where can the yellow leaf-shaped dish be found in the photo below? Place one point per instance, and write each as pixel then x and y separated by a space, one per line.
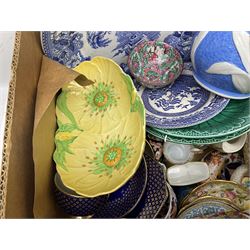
pixel 97 154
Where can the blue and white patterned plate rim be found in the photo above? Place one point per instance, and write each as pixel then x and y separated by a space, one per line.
pixel 197 117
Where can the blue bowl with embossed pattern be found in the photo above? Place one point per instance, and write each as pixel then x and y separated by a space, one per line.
pixel 126 198
pixel 221 62
pixel 76 205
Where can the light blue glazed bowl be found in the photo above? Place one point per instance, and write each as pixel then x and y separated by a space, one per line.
pixel 221 62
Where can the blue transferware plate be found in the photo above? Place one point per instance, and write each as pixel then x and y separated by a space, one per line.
pixel 221 62
pixel 182 41
pixel 70 47
pixel 122 201
pixel 181 104
pixel 206 206
pixel 156 193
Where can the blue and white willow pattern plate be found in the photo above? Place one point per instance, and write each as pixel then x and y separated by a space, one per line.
pixel 181 104
pixel 70 47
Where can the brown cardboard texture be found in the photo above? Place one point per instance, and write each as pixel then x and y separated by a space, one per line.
pixel 29 133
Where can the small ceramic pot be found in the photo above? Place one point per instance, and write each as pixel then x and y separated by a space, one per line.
pixel 180 153
pixel 220 164
pixel 75 205
pixel 187 174
pixel 231 146
pixel 155 64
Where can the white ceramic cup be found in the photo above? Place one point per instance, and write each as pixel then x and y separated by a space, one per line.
pixel 231 146
pixel 187 174
pixel 180 153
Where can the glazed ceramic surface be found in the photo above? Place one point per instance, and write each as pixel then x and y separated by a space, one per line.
pixel 123 200
pixel 71 47
pixel 182 41
pixel 204 208
pixel 101 135
pixel 231 191
pixel 233 118
pixel 155 64
pixel 156 193
pixel 73 204
pixel 172 203
pixel 181 104
pixel 196 141
pixel 187 174
pixel 221 62
pixel 157 148
pixel 227 215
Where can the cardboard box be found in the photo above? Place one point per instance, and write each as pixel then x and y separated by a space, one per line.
pixel 29 131
pixel 26 177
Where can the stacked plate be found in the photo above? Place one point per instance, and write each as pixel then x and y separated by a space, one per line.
pixel 216 199
pixel 204 106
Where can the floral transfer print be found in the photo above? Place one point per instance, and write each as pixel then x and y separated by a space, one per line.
pixel 112 154
pixel 67 47
pixel 126 41
pixel 155 64
pixel 97 39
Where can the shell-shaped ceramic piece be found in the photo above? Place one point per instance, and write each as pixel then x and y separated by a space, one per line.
pixel 221 62
pixel 101 134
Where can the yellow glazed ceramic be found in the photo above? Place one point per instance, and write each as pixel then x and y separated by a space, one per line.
pixel 101 130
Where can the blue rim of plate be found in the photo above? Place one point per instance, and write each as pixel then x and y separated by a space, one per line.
pixel 190 131
pixel 207 104
pixel 196 141
pixel 218 91
pixel 117 205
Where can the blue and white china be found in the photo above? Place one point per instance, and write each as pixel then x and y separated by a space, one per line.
pixel 206 206
pixel 156 193
pixel 182 41
pixel 181 104
pixel 73 204
pixel 70 47
pixel 221 62
pixel 122 201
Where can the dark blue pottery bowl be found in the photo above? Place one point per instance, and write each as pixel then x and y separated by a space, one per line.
pixel 156 193
pixel 122 201
pixel 75 205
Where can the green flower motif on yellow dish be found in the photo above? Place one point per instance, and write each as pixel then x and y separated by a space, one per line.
pixel 101 97
pixel 114 154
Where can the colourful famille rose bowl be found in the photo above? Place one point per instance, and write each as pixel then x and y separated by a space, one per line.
pixel 101 130
pixel 155 64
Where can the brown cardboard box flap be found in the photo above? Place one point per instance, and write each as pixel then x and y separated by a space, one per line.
pixel 52 78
